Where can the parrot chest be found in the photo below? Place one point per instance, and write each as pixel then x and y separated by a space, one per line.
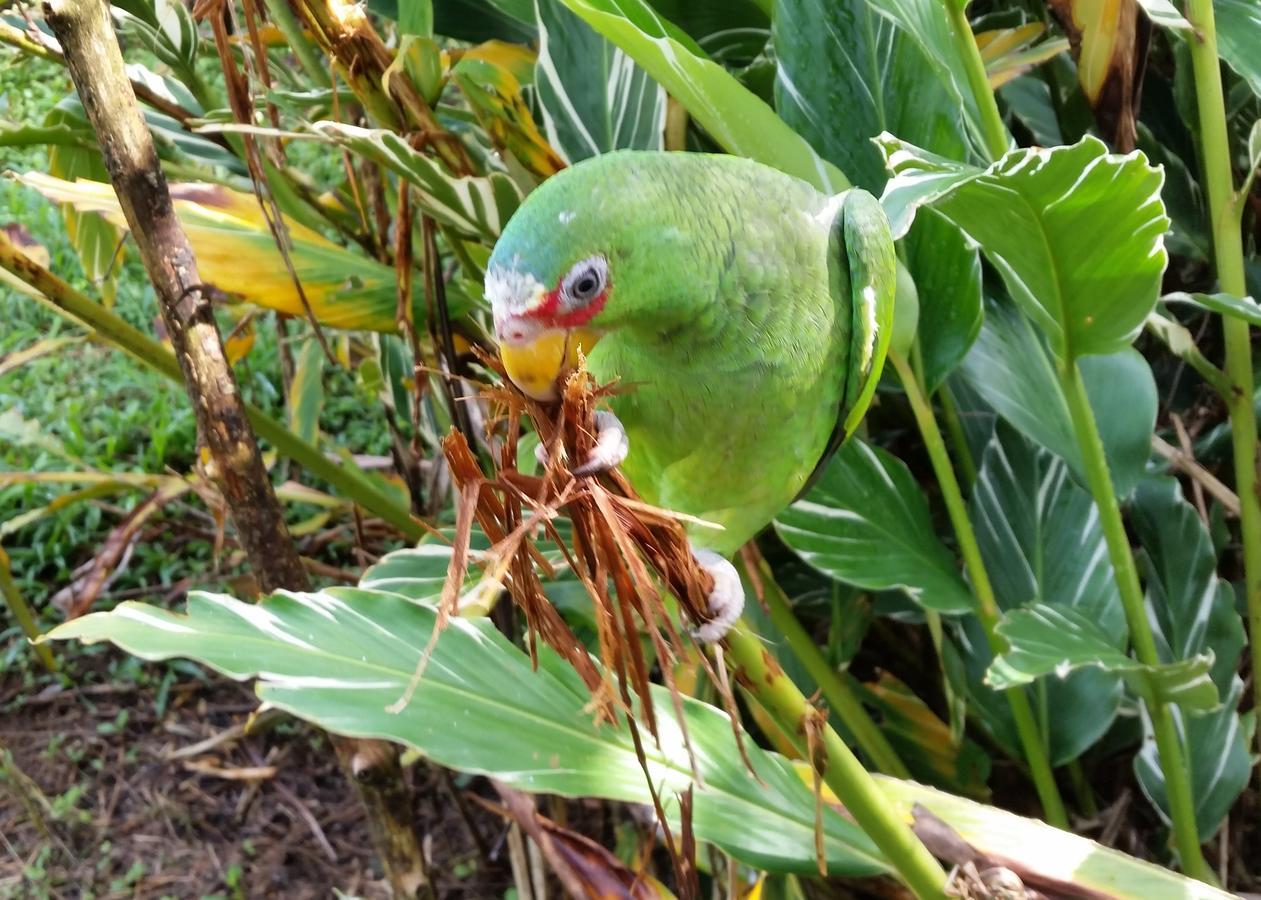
pixel 724 435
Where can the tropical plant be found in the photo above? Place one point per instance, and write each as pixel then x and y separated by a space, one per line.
pixel 1033 563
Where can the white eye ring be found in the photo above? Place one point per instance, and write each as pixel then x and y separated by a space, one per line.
pixel 585 281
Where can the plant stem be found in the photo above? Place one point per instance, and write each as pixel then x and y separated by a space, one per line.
pixel 992 127
pixel 840 769
pixel 22 612
pixel 1224 216
pixel 987 611
pixel 1168 743
pixel 840 698
pixel 282 15
pixel 958 437
pixel 109 328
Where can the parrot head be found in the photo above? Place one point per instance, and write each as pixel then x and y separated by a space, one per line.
pixel 585 254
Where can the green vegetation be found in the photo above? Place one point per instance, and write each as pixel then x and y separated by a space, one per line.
pixel 1024 582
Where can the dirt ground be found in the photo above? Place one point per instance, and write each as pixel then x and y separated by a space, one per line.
pixel 141 796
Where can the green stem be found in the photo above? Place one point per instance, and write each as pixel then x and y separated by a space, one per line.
pixel 108 327
pixel 17 605
pixel 992 127
pixel 838 694
pixel 1224 214
pixel 308 57
pixel 1168 743
pixel 958 437
pixel 756 669
pixel 987 610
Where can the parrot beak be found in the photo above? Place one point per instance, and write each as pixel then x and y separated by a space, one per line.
pixel 535 363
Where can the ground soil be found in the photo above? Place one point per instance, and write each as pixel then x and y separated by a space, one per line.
pixel 136 816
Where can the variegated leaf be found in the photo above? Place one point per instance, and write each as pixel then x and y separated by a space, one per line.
pixel 865 522
pixel 237 254
pixel 1056 641
pixel 1193 611
pixel 478 206
pixel 594 97
pixel 1040 539
pixel 1077 233
pixel 735 117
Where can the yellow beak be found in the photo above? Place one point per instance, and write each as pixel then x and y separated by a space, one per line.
pixel 535 367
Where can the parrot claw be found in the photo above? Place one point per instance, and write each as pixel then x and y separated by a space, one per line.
pixel 726 600
pixel 611 446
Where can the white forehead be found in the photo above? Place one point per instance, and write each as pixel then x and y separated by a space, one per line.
pixel 513 292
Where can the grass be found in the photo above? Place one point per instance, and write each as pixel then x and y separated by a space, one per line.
pixel 89 407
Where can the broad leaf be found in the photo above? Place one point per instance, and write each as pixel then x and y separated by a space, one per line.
pixel 1193 612
pixel 866 522
pixel 95 239
pixel 733 115
pixel 1165 14
pixel 1216 748
pixel 1055 640
pixel 341 657
pixel 839 95
pixel 1011 369
pixel 1076 233
pixel 472 205
pixel 593 97
pixel 846 73
pixel 1192 609
pixel 494 91
pixel 237 254
pixel 947 273
pixel 1243 308
pixel 306 392
pixel 1041 543
pixel 1238 36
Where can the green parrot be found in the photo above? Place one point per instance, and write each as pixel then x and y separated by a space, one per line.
pixel 747 313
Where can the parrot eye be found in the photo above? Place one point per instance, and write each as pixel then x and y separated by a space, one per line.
pixel 585 281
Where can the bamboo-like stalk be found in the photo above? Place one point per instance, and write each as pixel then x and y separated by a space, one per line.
pixel 110 329
pixel 1168 742
pixel 96 67
pixel 838 694
pixel 993 130
pixel 1032 741
pixel 836 764
pixel 1225 208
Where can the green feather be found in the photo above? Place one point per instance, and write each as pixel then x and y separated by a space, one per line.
pixel 731 320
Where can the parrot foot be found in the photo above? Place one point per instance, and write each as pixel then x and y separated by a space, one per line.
pixel 611 447
pixel 726 600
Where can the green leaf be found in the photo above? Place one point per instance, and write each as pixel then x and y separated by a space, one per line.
pixel 476 21
pixel 840 94
pixel 340 657
pixel 478 206
pixel 1238 36
pixel 415 17
pixel 1041 542
pixel 306 392
pixel 593 97
pixel 95 239
pixel 1056 640
pixel 1243 308
pixel 165 27
pixel 947 272
pixel 1216 749
pixel 1193 612
pixel 733 115
pixel 866 522
pixel 1076 233
pixel 1010 367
